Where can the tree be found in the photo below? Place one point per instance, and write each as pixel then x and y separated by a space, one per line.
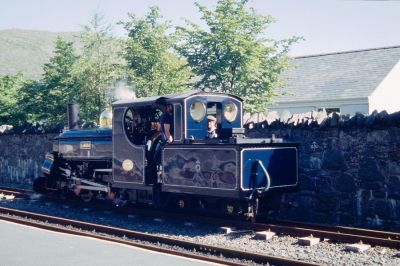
pixel 154 66
pixel 97 68
pixel 233 55
pixel 9 89
pixel 32 104
pixel 59 85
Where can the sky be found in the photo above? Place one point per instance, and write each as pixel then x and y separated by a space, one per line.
pixel 327 26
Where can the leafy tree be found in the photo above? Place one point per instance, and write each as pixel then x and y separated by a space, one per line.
pixel 154 66
pixel 9 89
pixel 32 104
pixel 59 85
pixel 97 68
pixel 233 55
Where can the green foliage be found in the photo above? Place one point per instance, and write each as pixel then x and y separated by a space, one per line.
pixel 233 55
pixel 32 104
pixel 59 85
pixel 154 67
pixel 10 86
pixel 97 68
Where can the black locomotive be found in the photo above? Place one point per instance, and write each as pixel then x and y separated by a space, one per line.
pixel 130 161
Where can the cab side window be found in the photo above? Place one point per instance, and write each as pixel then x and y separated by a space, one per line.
pixel 135 126
pixel 213 115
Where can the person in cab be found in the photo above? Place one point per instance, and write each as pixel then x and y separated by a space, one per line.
pixel 211 127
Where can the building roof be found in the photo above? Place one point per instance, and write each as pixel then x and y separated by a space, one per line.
pixel 169 98
pixel 338 76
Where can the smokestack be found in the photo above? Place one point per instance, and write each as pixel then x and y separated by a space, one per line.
pixel 73 116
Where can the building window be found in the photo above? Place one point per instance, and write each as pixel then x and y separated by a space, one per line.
pixel 330 110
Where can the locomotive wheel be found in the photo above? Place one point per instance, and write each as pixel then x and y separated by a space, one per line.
pixel 253 210
pixel 86 196
pixel 38 184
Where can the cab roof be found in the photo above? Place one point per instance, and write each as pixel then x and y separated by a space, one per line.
pixel 169 98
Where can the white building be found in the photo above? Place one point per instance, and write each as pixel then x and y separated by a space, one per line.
pixel 346 82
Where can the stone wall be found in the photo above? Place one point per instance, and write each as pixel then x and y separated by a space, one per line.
pixel 349 169
pixel 21 157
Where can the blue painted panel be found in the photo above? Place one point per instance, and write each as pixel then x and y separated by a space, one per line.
pixel 126 153
pixel 46 167
pixel 196 129
pixel 281 165
pixel 199 129
pixel 200 167
pixel 86 133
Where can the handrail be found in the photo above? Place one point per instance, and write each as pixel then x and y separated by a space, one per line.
pixel 267 177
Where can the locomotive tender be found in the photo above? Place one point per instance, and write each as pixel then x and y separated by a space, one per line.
pixel 128 161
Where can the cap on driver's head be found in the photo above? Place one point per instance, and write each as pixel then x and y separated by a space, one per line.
pixel 212 118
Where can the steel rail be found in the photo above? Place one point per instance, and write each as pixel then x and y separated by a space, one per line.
pixel 14 191
pixel 51 222
pixel 334 233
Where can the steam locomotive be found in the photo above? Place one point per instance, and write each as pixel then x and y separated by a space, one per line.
pixel 125 160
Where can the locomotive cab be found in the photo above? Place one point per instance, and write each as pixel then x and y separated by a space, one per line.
pixel 192 167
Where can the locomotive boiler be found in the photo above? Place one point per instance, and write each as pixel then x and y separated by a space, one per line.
pixel 127 160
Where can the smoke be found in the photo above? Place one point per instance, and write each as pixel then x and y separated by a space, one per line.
pixel 122 91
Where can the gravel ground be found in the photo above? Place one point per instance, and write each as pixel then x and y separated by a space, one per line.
pixel 325 252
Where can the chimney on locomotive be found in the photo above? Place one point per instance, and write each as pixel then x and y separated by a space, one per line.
pixel 73 116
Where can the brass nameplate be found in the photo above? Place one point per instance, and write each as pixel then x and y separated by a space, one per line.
pixel 85 145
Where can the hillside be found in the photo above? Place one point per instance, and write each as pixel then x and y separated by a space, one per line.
pixel 27 50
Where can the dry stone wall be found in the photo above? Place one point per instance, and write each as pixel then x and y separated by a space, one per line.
pixel 349 168
pixel 21 157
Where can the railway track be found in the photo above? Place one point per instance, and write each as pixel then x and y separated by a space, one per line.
pixel 130 237
pixel 332 233
pixel 6 191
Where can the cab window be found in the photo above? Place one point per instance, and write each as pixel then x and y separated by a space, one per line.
pixel 140 124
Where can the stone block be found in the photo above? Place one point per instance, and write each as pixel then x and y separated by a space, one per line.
pixel 383 118
pixel 371 119
pixel 272 116
pixel 345 183
pixel 264 235
pixel 382 209
pixel 379 137
pixel 315 163
pixel 306 182
pixel 227 230
pixel 379 193
pixel 359 119
pixel 306 201
pixel 324 185
pixel 321 117
pixel 369 170
pixel 308 241
pixel 359 247
pixel 394 187
pixel 334 120
pixel 327 202
pixel 334 160
pixel 371 185
pixel 347 219
pixel 347 205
